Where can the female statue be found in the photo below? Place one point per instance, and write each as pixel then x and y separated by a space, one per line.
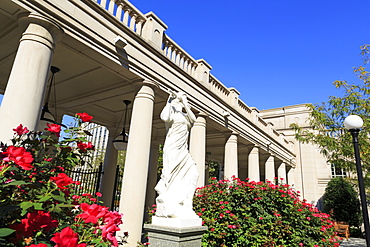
pixel 179 175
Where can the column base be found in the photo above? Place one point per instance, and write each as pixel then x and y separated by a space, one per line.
pixel 165 236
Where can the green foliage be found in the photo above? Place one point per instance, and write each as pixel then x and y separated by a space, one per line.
pixel 326 122
pixel 341 198
pixel 240 213
pixel 213 168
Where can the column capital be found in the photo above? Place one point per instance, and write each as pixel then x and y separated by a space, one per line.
pixel 202 114
pixel 137 84
pixel 253 145
pixel 53 28
pixel 229 133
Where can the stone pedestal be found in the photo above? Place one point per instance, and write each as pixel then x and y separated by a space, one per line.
pixel 164 236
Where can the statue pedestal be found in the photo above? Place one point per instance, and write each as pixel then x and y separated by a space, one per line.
pixel 166 236
pixel 177 222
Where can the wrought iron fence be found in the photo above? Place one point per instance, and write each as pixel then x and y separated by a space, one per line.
pixel 88 177
pixel 117 189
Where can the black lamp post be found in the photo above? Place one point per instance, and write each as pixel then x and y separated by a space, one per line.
pixel 120 142
pixel 354 123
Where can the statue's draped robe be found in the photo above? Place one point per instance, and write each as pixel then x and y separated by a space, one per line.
pixel 179 175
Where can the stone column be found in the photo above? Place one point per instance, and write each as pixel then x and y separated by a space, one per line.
pixel 282 173
pixel 291 174
pixel 151 194
pixel 137 159
pixel 231 155
pixel 197 147
pixel 253 164
pixel 110 168
pixel 270 168
pixel 25 90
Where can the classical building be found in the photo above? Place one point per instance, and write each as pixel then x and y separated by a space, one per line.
pixel 108 51
pixel 312 172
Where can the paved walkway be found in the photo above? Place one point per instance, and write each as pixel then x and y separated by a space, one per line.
pixel 354 242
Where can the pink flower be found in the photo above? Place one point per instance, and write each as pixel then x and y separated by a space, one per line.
pixel 54 128
pixel 84 117
pixel 20 130
pixel 92 213
pixel 20 157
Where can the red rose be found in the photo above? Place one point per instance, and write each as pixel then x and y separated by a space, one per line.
pixel 84 117
pixel 83 146
pixel 34 222
pixel 19 156
pixel 62 180
pixel 66 238
pixel 55 128
pixel 38 245
pixel 20 130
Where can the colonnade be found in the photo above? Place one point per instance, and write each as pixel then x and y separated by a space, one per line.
pixel 141 161
pixel 23 100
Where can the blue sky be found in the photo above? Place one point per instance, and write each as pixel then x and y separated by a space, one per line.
pixel 276 53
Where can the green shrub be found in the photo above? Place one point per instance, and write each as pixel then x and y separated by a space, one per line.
pixel 240 213
pixel 341 198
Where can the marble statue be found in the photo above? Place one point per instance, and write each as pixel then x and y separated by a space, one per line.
pixel 179 175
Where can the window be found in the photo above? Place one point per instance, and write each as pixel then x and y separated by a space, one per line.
pixel 337 172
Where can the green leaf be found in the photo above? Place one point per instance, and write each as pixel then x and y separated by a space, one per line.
pixel 45 198
pixel 59 198
pixel 37 206
pixel 15 183
pixel 6 232
pixel 24 206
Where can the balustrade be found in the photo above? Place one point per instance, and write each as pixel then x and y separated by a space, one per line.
pixel 125 12
pixel 218 88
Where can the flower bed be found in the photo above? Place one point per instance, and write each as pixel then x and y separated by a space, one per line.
pixel 240 213
pixel 38 204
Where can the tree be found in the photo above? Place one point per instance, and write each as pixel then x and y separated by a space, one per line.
pixel 342 201
pixel 326 121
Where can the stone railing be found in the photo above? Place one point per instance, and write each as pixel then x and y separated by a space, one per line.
pixel 243 106
pixel 218 88
pixel 177 55
pixel 124 11
pixel 131 17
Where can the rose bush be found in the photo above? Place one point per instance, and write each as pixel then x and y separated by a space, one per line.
pixel 240 213
pixel 38 203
